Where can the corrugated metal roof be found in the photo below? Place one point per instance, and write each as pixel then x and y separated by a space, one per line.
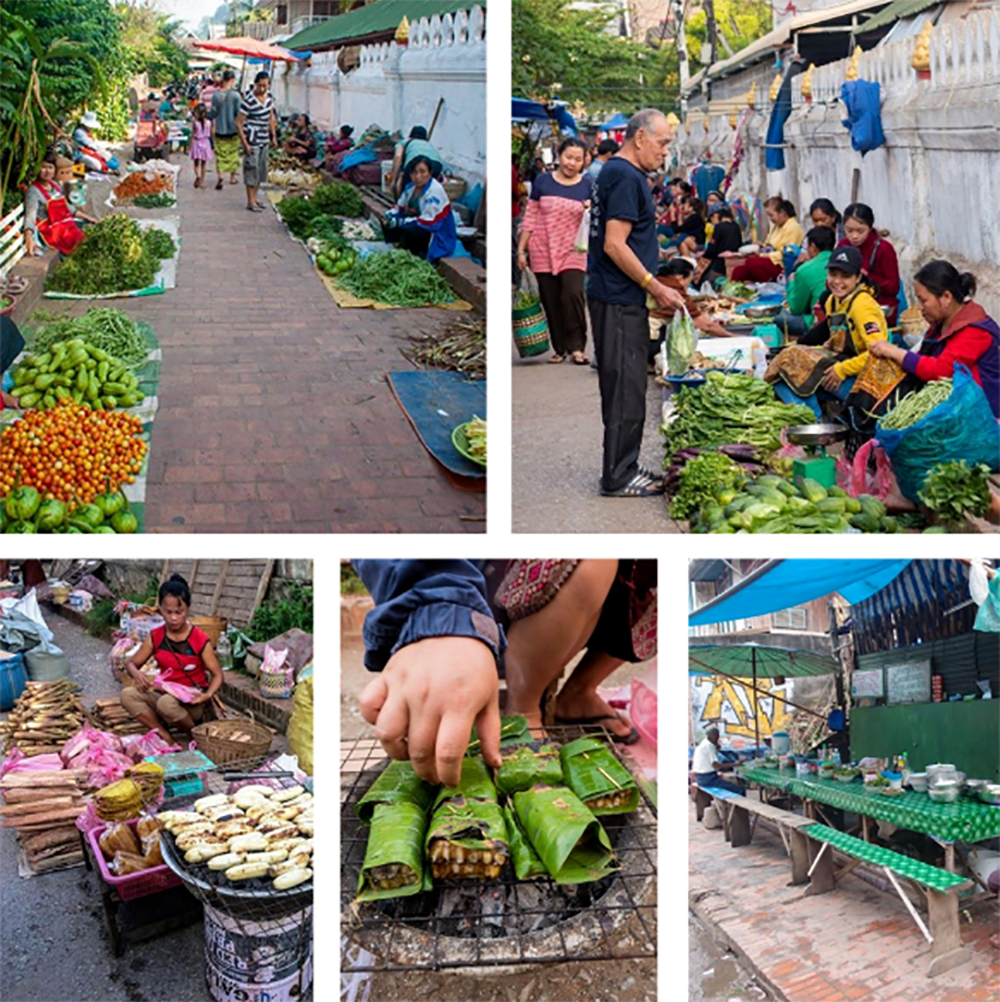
pixel 373 19
pixel 780 36
pixel 897 11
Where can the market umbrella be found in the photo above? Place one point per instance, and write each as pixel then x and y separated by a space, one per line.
pixel 754 661
pixel 243 45
pixel 618 121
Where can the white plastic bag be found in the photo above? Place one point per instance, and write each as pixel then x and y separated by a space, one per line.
pixel 582 241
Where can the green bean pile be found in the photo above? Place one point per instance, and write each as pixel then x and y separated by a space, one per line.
pixel 917 406
pixel 111 330
pixel 397 278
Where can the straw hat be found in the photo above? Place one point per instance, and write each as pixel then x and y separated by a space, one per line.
pixel 90 120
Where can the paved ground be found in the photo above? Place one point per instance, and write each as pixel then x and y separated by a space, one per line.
pixel 557 455
pixel 715 974
pixel 274 412
pixel 855 943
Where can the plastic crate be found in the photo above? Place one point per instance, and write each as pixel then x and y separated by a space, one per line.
pixel 132 885
pixel 183 787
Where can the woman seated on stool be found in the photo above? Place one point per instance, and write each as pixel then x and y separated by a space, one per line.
pixel 185 658
pixel 961 333
pixel 785 230
pixel 422 221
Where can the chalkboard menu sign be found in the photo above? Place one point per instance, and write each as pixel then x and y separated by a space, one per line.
pixel 908 683
pixel 867 683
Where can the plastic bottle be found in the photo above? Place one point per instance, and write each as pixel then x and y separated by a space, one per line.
pixel 836 757
pixel 224 650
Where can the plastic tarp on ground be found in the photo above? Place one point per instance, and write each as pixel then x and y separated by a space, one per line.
pixel 781 584
pixel 753 660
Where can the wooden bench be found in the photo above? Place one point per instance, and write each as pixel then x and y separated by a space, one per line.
pixel 704 795
pixel 940 889
pixel 738 830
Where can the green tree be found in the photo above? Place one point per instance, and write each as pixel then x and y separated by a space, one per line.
pixel 738 23
pixel 575 54
pixel 151 38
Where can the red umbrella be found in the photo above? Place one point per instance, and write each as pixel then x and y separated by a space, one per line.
pixel 246 46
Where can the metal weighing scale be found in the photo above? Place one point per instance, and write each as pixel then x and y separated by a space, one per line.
pixel 817 465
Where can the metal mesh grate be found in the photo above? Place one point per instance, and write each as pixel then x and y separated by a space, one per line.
pixel 502 922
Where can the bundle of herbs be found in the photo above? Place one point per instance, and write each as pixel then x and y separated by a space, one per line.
pixel 113 257
pixel 397 278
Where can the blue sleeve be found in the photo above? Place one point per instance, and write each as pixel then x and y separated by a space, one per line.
pixel 622 201
pixel 416 599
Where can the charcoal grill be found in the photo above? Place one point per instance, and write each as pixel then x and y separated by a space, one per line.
pixel 503 923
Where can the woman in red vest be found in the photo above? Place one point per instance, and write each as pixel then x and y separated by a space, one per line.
pixel 47 214
pixel 189 673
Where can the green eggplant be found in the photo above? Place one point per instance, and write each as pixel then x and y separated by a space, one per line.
pixel 124 522
pixel 72 530
pixel 89 513
pixel 105 530
pixel 22 503
pixel 20 529
pixel 50 515
pixel 110 502
pixel 78 525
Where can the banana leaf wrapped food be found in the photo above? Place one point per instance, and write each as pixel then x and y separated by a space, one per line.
pixel 394 858
pixel 467 834
pixel 523 857
pixel 513 731
pixel 523 768
pixel 398 784
pixel 569 840
pixel 594 774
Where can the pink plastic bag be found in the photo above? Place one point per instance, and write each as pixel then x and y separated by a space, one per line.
pixel 857 478
pixel 185 693
pixel 789 451
pixel 140 746
pixel 86 742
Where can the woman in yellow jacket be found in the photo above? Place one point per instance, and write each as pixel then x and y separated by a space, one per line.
pixel 785 231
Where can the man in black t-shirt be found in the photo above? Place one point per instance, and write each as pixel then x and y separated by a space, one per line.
pixel 620 275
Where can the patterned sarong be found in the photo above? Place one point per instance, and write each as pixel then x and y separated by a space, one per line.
pixel 227 154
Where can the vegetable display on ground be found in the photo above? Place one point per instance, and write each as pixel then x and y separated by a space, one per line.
pixel 732 408
pixel 106 328
pixel 397 278
pixel 915 406
pixel 75 370
pixel 327 200
pixel 954 489
pixel 701 479
pixel 71 453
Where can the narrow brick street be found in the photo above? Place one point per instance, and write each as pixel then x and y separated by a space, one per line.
pixel 274 412
pixel 854 943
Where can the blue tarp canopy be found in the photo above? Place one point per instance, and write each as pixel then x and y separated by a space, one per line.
pixel 618 121
pixel 523 110
pixel 782 584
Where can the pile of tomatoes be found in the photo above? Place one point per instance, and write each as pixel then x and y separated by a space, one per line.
pixel 71 453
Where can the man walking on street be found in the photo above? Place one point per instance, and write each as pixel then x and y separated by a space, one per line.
pixel 620 275
pixel 256 123
pixel 225 138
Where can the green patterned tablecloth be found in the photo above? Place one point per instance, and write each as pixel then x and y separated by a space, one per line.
pixel 966 821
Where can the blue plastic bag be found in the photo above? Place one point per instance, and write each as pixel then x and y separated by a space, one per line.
pixel 963 427
pixel 863 100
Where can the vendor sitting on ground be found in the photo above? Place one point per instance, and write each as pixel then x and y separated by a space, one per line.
pixel 807 284
pixel 418 145
pixel 961 333
pixel 785 230
pixel 706 766
pixel 727 237
pixel 677 275
pixel 879 261
pixel 49 220
pixel 691 231
pixel 189 673
pixel 341 142
pixel 422 221
pixel 300 139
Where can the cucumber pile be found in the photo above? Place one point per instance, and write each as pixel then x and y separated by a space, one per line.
pixel 75 370
pixel 771 504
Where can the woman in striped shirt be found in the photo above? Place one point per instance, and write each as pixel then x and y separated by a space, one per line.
pixel 548 234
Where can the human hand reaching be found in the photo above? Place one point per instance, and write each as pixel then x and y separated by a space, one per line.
pixel 665 296
pixel 425 701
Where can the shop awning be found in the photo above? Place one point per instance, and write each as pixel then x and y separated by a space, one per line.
pixel 618 121
pixel 524 110
pixel 896 12
pixel 756 661
pixel 782 584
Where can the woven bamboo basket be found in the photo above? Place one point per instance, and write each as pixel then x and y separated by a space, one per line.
pixel 232 740
pixel 214 626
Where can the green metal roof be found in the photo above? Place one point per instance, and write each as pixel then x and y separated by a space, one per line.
pixel 896 12
pixel 372 19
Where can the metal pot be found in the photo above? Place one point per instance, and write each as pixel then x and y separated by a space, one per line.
pixel 940 771
pixel 973 786
pixel 945 792
pixel 990 793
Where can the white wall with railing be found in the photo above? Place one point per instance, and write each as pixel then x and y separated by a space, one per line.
pixel 397 87
pixel 935 184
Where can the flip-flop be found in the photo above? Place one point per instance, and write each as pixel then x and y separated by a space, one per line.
pixel 642 485
pixel 591 725
pixel 556 359
pixel 579 358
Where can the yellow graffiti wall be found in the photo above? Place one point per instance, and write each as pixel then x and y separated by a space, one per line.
pixel 716 698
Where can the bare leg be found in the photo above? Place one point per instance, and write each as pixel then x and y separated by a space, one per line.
pixel 578 697
pixel 152 721
pixel 251 196
pixel 540 645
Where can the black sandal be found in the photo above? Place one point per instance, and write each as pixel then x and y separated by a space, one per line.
pixel 640 486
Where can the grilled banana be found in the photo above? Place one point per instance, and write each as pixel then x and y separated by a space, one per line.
pixel 292 879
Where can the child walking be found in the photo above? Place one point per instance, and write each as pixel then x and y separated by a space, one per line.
pixel 201 144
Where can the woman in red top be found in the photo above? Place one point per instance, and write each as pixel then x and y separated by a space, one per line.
pixel 878 256
pixel 548 238
pixel 186 661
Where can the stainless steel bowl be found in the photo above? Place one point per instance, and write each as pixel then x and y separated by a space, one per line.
pixel 973 786
pixel 762 312
pixel 918 781
pixel 990 793
pixel 816 434
pixel 945 792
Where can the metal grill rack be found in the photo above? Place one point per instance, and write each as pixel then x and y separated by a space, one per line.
pixel 497 923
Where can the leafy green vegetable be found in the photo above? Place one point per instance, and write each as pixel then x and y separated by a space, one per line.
pixel 731 408
pixel 681 341
pixel 159 243
pixel 113 257
pixel 397 278
pixel 158 201
pixel 525 300
pixel 700 480
pixel 326 201
pixel 916 406
pixel 954 488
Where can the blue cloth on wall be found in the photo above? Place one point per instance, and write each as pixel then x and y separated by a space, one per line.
pixel 863 99
pixel 774 159
pixel 706 178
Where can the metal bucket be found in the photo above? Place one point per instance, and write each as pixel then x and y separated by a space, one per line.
pixel 267 960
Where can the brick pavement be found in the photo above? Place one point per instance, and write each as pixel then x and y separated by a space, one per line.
pixel 274 413
pixel 854 943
